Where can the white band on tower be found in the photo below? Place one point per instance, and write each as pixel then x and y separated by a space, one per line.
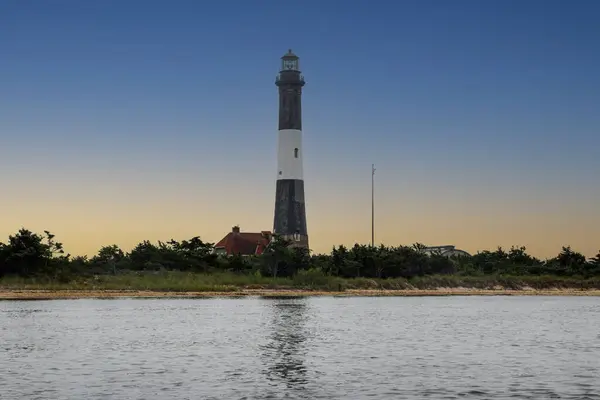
pixel 289 154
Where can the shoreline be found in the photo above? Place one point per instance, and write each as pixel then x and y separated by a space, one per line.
pixel 64 294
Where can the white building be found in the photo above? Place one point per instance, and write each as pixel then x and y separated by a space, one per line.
pixel 447 251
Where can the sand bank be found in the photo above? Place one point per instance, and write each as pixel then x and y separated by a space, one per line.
pixel 30 294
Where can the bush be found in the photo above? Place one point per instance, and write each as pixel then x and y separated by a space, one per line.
pixel 316 279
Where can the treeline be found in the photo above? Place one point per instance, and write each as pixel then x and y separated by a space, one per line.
pixel 28 254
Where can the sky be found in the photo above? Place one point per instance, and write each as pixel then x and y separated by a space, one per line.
pixel 125 120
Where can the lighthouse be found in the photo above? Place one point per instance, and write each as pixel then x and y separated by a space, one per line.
pixel 290 211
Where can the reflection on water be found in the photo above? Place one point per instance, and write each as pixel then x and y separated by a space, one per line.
pixel 314 348
pixel 284 352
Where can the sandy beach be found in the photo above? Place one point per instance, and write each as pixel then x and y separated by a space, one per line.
pixel 31 294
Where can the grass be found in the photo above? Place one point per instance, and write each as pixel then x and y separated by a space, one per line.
pixel 306 280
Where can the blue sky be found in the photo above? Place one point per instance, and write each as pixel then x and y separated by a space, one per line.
pixel 125 120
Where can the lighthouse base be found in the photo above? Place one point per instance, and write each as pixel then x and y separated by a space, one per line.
pixel 290 212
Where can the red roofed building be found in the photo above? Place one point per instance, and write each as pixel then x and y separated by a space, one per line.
pixel 243 243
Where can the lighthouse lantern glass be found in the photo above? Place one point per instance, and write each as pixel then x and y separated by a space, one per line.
pixel 290 65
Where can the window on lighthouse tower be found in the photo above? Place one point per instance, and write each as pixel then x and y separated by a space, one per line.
pixel 296 152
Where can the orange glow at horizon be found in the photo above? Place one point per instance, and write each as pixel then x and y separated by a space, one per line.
pixel 87 222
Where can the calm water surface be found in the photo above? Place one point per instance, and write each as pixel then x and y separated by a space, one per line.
pixel 315 348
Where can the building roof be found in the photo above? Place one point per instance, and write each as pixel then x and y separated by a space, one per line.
pixel 244 243
pixel 446 250
pixel 289 54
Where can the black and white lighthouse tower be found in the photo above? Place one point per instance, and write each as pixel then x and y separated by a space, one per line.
pixel 290 211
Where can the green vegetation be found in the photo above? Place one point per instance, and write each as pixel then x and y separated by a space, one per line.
pixel 37 261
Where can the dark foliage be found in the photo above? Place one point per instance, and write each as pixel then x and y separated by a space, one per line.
pixel 28 254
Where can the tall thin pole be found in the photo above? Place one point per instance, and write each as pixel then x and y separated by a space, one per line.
pixel 372 204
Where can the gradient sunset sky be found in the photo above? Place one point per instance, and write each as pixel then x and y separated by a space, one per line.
pixel 126 120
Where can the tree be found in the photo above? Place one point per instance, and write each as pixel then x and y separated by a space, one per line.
pixel 298 260
pixel 28 254
pixel 238 264
pixel 145 255
pixel 419 246
pixel 593 267
pixel 518 256
pixel 338 260
pixel 277 252
pixel 595 261
pixel 108 257
pixel 569 262
pixel 193 254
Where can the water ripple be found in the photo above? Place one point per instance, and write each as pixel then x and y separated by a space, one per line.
pixel 318 348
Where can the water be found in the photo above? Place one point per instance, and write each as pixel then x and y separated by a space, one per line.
pixel 315 348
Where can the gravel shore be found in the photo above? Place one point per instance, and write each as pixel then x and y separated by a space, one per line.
pixel 30 294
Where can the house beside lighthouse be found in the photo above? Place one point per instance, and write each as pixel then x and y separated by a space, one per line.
pixel 289 220
pixel 241 243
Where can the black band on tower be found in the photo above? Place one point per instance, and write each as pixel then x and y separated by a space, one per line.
pixel 290 214
pixel 290 106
